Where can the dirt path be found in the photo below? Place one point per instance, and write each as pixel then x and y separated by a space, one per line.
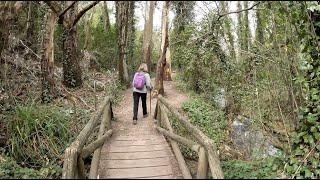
pixel 139 151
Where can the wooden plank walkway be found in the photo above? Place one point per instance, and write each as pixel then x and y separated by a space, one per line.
pixel 137 151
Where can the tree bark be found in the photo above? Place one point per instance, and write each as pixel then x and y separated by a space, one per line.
pixel 259 29
pixel 227 29
pixel 147 38
pixel 106 17
pixel 247 33
pixel 68 18
pixel 87 40
pixel 47 59
pixel 164 45
pixel 165 27
pixel 240 30
pixel 167 68
pixel 122 22
pixel 72 74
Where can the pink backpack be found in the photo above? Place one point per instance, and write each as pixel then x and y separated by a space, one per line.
pixel 139 80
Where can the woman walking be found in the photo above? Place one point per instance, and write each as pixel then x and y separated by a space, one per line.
pixel 141 84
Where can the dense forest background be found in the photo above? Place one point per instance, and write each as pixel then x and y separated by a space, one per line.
pixel 252 69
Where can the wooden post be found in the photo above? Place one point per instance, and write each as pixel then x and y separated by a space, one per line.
pixel 96 156
pixel 158 115
pixel 202 164
pixel 70 163
pixel 182 164
pixel 210 146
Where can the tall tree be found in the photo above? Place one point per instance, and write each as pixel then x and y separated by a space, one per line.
pixel 182 23
pixel 147 35
pixel 68 18
pixel 31 24
pixel 240 30
pixel 227 29
pixel 259 30
pixel 47 59
pixel 122 18
pixel 247 32
pixel 131 36
pixel 106 17
pixel 164 46
pixel 87 31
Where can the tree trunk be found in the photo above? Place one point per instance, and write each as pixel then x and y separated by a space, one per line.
pixel 68 18
pixel 167 68
pixel 165 43
pixel 240 31
pixel 165 27
pixel 259 29
pixel 106 17
pixel 147 38
pixel 131 37
pixel 6 20
pixel 47 59
pixel 72 74
pixel 247 33
pixel 87 40
pixel 30 26
pixel 227 30
pixel 122 22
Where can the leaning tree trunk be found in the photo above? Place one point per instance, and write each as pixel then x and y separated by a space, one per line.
pixel 72 74
pixel 147 39
pixel 47 59
pixel 162 60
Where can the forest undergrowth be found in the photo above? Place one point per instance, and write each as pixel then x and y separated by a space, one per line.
pixel 204 114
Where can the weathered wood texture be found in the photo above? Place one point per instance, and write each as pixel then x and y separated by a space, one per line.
pixel 137 151
pixel 73 166
pixel 209 145
pixel 182 164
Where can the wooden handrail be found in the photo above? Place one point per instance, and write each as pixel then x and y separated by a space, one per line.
pixel 207 152
pixel 73 165
pixel 182 164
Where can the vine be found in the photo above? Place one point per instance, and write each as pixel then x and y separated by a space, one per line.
pixel 304 161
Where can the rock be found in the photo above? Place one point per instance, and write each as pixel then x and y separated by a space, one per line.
pixel 252 143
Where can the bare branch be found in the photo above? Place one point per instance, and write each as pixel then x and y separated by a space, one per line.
pixel 65 10
pixel 54 6
pixel 221 15
pixel 83 11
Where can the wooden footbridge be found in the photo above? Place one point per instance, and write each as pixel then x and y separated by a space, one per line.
pixel 140 151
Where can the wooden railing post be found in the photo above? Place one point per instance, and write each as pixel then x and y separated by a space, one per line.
pixel 106 118
pixel 213 157
pixel 73 165
pixel 182 164
pixel 202 164
pixel 70 163
pixel 158 114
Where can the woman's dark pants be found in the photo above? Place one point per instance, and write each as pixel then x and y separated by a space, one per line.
pixel 136 97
